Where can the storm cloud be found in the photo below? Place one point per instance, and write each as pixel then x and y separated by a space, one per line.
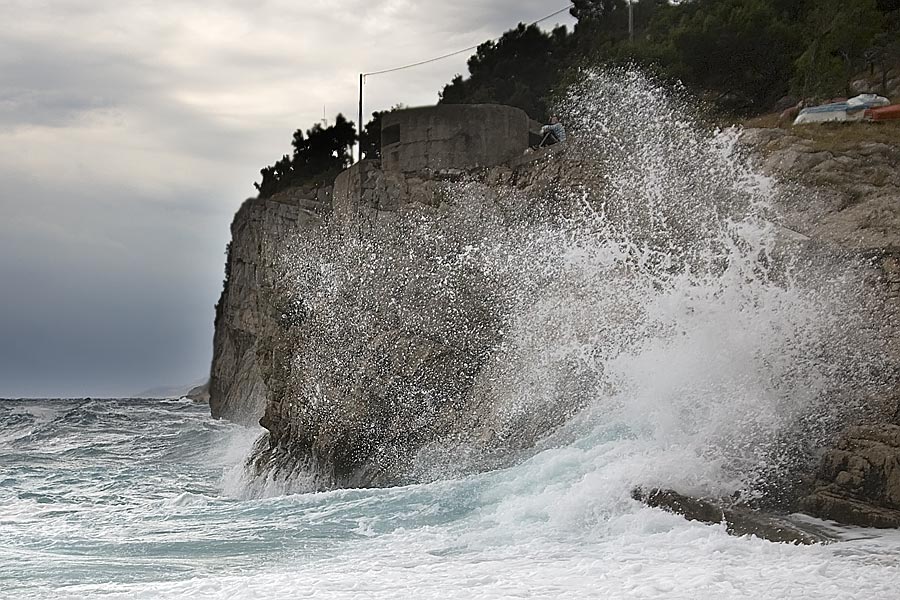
pixel 130 132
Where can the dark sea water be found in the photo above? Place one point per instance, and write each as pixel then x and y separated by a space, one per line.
pixel 707 356
pixel 147 499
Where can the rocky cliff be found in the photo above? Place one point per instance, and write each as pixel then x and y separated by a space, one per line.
pixel 859 479
pixel 237 389
pixel 379 397
pixel 851 200
pixel 855 171
pixel 398 342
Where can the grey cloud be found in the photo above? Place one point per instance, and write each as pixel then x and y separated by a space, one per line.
pixel 52 108
pixel 54 85
pixel 82 316
pixel 131 131
pixel 58 87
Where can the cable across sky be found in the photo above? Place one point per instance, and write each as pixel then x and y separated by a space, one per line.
pixel 469 49
pixel 362 76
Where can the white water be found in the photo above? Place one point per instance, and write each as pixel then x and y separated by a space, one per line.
pixel 662 322
pixel 122 499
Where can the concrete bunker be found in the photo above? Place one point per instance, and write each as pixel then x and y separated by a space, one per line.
pixel 452 136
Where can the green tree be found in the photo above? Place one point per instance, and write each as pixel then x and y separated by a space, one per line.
pixel 742 51
pixel 370 141
pixel 520 69
pixel 275 177
pixel 841 31
pixel 602 35
pixel 318 155
pixel 324 149
pixel 742 54
pixel 601 21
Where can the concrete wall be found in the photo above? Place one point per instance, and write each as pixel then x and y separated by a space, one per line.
pixel 452 136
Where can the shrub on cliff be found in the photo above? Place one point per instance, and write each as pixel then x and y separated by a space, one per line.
pixel 318 156
pixel 841 31
pixel 370 140
pixel 741 51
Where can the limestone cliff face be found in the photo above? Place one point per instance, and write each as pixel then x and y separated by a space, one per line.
pixel 394 366
pixel 856 174
pixel 394 388
pixel 258 327
pixel 358 434
pixel 237 388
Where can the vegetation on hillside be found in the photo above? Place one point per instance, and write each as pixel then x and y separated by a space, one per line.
pixel 744 56
pixel 519 69
pixel 318 156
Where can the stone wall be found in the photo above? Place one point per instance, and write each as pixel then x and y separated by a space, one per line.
pixel 452 136
pixel 357 191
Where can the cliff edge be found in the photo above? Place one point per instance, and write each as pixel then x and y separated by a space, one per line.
pixel 407 387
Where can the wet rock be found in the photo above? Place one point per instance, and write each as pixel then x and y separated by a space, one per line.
pixel 199 394
pixel 859 480
pixel 738 520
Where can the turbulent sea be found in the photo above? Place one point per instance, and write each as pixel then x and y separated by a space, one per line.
pixel 143 499
pixel 668 335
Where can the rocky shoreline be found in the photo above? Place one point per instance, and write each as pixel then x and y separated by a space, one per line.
pixel 859 479
pixel 855 172
pixel 855 208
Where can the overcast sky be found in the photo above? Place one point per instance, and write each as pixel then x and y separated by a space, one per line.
pixel 130 132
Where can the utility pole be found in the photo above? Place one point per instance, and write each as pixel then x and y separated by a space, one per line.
pixel 631 21
pixel 359 126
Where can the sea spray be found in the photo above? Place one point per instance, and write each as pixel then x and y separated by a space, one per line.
pixel 706 327
pixel 651 294
pixel 707 359
pixel 122 499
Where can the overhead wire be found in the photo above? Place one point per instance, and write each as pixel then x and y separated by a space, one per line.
pixel 363 76
pixel 469 49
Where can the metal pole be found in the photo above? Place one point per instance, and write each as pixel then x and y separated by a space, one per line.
pixel 359 127
pixel 630 21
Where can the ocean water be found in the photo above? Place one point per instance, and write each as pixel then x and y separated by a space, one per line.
pixel 670 333
pixel 130 499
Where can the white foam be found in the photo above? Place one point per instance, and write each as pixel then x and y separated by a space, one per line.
pixel 653 555
pixel 678 347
